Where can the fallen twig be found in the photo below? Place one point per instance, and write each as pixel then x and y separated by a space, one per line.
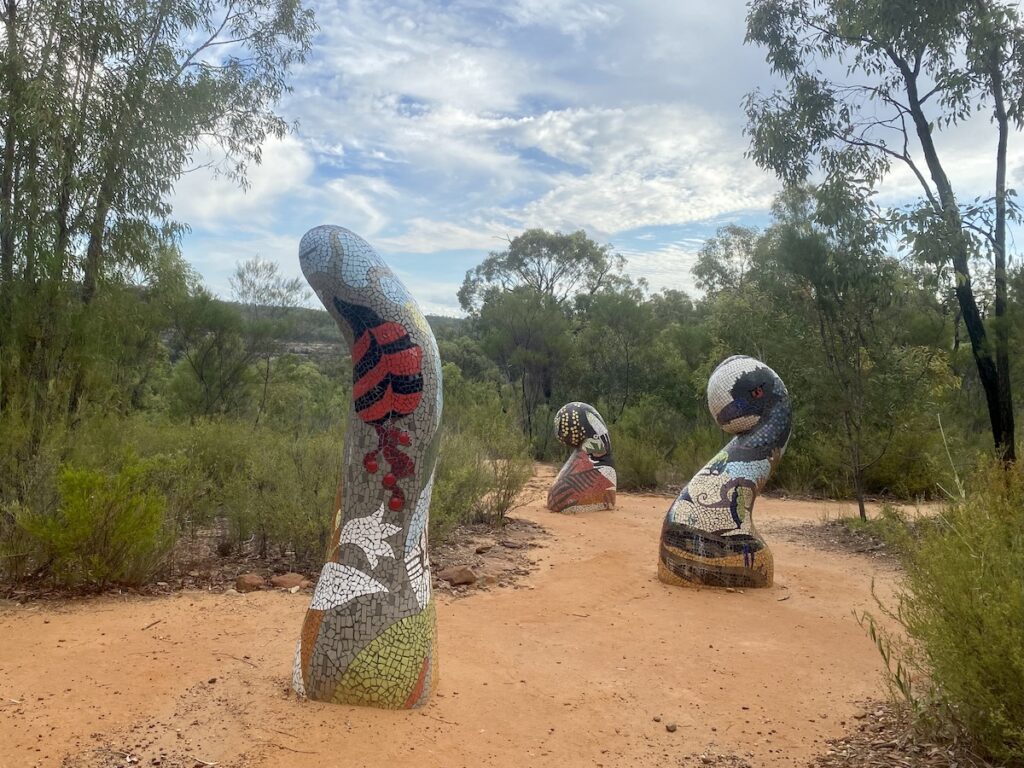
pixel 148 626
pixel 282 746
pixel 244 661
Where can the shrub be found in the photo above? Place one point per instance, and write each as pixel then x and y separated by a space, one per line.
pixel 483 461
pixel 638 462
pixel 654 446
pixel 463 479
pixel 106 528
pixel 962 608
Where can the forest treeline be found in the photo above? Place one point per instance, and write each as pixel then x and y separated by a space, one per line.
pixel 139 412
pixel 871 345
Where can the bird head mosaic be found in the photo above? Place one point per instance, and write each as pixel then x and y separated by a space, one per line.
pixel 369 636
pixel 708 536
pixel 587 480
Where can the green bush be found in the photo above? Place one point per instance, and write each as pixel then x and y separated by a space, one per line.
pixel 462 481
pixel 638 462
pixel 654 445
pixel 106 528
pixel 281 496
pixel 962 608
pixel 483 461
pixel 104 501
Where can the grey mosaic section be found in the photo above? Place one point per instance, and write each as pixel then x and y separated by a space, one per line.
pixel 377 575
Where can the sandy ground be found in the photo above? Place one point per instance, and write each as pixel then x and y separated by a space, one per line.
pixel 570 669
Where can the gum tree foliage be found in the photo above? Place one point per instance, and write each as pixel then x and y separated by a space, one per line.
pixel 554 265
pixel 526 334
pixel 616 343
pixel 858 299
pixel 857 340
pixel 870 85
pixel 102 106
pixel 725 259
pixel 267 298
pixel 524 303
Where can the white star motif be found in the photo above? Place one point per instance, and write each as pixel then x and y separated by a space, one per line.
pixel 368 533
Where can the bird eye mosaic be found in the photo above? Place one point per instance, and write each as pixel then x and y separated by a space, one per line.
pixel 369 636
pixel 587 480
pixel 708 536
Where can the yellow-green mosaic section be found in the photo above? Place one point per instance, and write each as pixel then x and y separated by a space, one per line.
pixel 386 672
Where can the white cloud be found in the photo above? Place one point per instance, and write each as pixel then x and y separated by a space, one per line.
pixel 208 201
pixel 437 127
pixel 421 235
pixel 575 18
pixel 644 166
pixel 666 267
pixel 356 201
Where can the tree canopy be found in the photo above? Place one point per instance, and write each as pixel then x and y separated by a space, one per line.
pixel 553 264
pixel 871 85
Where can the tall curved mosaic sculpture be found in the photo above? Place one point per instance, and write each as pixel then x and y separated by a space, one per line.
pixel 587 480
pixel 369 636
pixel 708 536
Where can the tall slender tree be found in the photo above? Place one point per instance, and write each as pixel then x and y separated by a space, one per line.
pixel 871 84
pixel 103 105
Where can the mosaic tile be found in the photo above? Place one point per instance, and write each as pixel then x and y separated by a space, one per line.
pixel 587 480
pixel 708 536
pixel 369 636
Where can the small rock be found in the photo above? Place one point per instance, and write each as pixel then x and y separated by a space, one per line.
pixel 212 680
pixel 511 544
pixel 162 584
pixel 295 589
pixel 249 582
pixel 288 580
pixel 484 548
pixel 657 718
pixel 231 591
pixel 457 574
pixel 671 727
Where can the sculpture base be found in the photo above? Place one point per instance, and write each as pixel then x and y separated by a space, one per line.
pixel 581 486
pixel 691 557
pixel 396 670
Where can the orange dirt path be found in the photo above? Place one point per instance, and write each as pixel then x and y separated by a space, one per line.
pixel 569 670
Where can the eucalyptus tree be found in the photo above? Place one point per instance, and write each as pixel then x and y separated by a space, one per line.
pixel 103 106
pixel 526 334
pixel 553 264
pixel 861 301
pixel 267 299
pixel 725 259
pixel 869 86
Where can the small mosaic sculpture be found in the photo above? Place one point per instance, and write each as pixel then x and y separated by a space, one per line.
pixel 587 479
pixel 370 634
pixel 708 536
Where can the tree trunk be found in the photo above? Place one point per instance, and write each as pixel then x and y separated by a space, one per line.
pixel 988 373
pixel 10 134
pixel 263 397
pixel 1005 443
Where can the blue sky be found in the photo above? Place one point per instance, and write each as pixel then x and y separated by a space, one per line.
pixel 436 130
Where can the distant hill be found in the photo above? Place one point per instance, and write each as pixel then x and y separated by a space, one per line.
pixel 309 325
